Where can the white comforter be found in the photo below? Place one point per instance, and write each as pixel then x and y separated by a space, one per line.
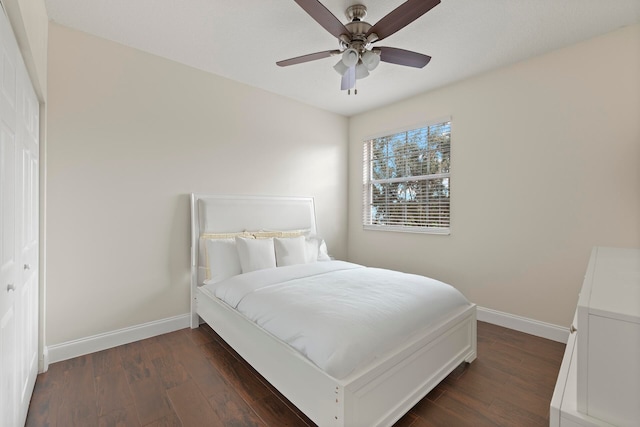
pixel 337 314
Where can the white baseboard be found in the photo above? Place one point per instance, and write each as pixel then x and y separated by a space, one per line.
pixel 43 363
pixel 523 324
pixel 80 347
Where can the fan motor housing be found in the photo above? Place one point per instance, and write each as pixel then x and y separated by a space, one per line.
pixel 358 28
pixel 356 12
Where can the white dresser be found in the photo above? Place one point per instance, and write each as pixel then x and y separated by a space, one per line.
pixel 599 380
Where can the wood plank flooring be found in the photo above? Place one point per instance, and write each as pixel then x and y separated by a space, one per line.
pixel 192 378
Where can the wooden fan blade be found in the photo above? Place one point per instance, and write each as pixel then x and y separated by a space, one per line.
pixel 394 55
pixel 402 16
pixel 307 58
pixel 324 17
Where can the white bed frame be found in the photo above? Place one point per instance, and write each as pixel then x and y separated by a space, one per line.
pixel 375 395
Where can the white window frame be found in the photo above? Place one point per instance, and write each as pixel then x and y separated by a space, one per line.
pixel 369 182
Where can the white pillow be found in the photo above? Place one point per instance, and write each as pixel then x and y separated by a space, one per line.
pixel 222 259
pixel 316 249
pixel 323 253
pixel 290 250
pixel 255 254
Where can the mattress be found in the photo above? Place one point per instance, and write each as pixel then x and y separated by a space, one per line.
pixel 339 315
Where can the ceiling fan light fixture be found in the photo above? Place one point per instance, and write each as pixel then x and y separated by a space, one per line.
pixel 350 57
pixel 370 60
pixel 361 71
pixel 356 37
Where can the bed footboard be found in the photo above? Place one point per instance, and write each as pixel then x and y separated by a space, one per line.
pixel 402 383
pixel 377 395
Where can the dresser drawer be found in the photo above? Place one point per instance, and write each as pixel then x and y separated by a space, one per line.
pixel 608 340
pixel 563 411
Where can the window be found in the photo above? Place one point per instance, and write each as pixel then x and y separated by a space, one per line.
pixel 407 184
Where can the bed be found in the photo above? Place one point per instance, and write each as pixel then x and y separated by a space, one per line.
pixel 375 390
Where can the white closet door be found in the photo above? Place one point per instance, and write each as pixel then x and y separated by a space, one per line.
pixel 27 248
pixel 8 261
pixel 8 356
pixel 8 231
pixel 19 138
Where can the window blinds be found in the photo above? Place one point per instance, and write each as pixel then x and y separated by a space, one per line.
pixel 406 180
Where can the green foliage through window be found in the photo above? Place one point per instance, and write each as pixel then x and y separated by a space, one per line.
pixel 407 182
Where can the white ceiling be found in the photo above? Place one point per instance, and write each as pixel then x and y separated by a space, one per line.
pixel 243 39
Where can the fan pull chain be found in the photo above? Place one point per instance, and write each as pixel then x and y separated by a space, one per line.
pixel 355 90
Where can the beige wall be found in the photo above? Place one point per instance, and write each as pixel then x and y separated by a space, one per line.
pixel 130 135
pixel 545 165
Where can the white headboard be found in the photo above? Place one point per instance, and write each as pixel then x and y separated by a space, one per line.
pixel 225 214
pixel 233 213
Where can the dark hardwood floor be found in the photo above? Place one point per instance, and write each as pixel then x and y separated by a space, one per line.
pixel 192 378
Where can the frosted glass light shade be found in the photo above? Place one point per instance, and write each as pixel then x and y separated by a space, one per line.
pixel 340 68
pixel 370 60
pixel 350 57
pixel 361 71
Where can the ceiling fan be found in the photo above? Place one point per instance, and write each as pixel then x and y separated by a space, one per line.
pixel 356 39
